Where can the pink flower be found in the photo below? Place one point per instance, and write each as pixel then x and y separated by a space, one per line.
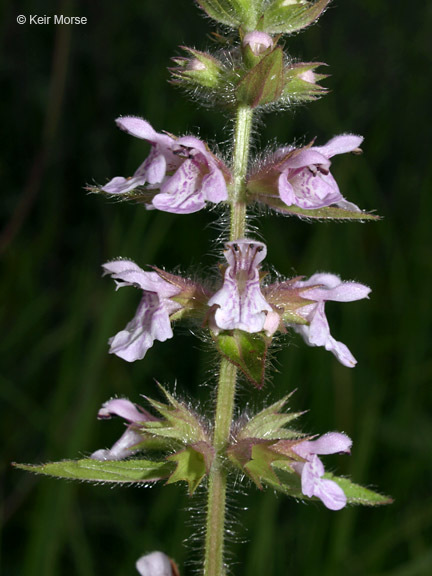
pixel 326 287
pixel 126 444
pixel 156 564
pixel 258 42
pixel 152 319
pixel 301 176
pixel 312 470
pixel 187 174
pixel 240 303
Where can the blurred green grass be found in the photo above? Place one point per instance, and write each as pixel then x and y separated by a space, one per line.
pixel 68 84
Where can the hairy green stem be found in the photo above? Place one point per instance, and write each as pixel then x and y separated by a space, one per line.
pixel 216 504
pixel 215 533
pixel 242 136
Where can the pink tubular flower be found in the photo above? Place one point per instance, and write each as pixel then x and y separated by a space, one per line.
pixel 152 319
pixel 301 176
pixel 240 302
pixel 186 172
pixel 326 287
pixel 312 470
pixel 134 415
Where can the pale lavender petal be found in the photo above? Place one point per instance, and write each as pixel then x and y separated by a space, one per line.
pixel 325 278
pixel 180 194
pixel 154 564
pixel 305 157
pixel 341 351
pixel 127 273
pixel 123 448
pixel 140 128
pixel 331 494
pixel 330 443
pixel 271 323
pixel 318 334
pixel 240 310
pixel 314 189
pixel 137 127
pixel 311 475
pixel 193 143
pixel 155 167
pixel 286 191
pixel 241 303
pixel 125 409
pixel 345 205
pixel 318 331
pixel 340 145
pixel 214 186
pixel 244 256
pixel 151 322
pixel 120 185
pixel 333 288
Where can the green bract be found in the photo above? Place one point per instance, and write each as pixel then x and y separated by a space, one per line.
pixel 264 83
pixel 246 351
pixel 233 13
pixel 288 16
pixel 124 471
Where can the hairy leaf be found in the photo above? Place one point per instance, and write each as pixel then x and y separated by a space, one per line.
pixel 123 471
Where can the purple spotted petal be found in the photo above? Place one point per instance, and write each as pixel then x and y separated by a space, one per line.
pixel 186 172
pixel 214 186
pixel 151 322
pixel 302 176
pixel 240 302
pixel 313 189
pixel 286 190
pixel 181 193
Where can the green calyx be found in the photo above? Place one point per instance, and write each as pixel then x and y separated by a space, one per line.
pixel 246 351
pixel 271 16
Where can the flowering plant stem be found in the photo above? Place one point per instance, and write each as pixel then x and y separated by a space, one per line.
pixel 242 135
pixel 215 525
pixel 215 528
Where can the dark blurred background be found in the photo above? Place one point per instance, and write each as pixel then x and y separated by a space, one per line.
pixel 61 89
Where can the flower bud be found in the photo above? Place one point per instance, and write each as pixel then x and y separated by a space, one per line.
pixel 157 564
pixel 201 70
pixel 255 46
pixel 301 82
